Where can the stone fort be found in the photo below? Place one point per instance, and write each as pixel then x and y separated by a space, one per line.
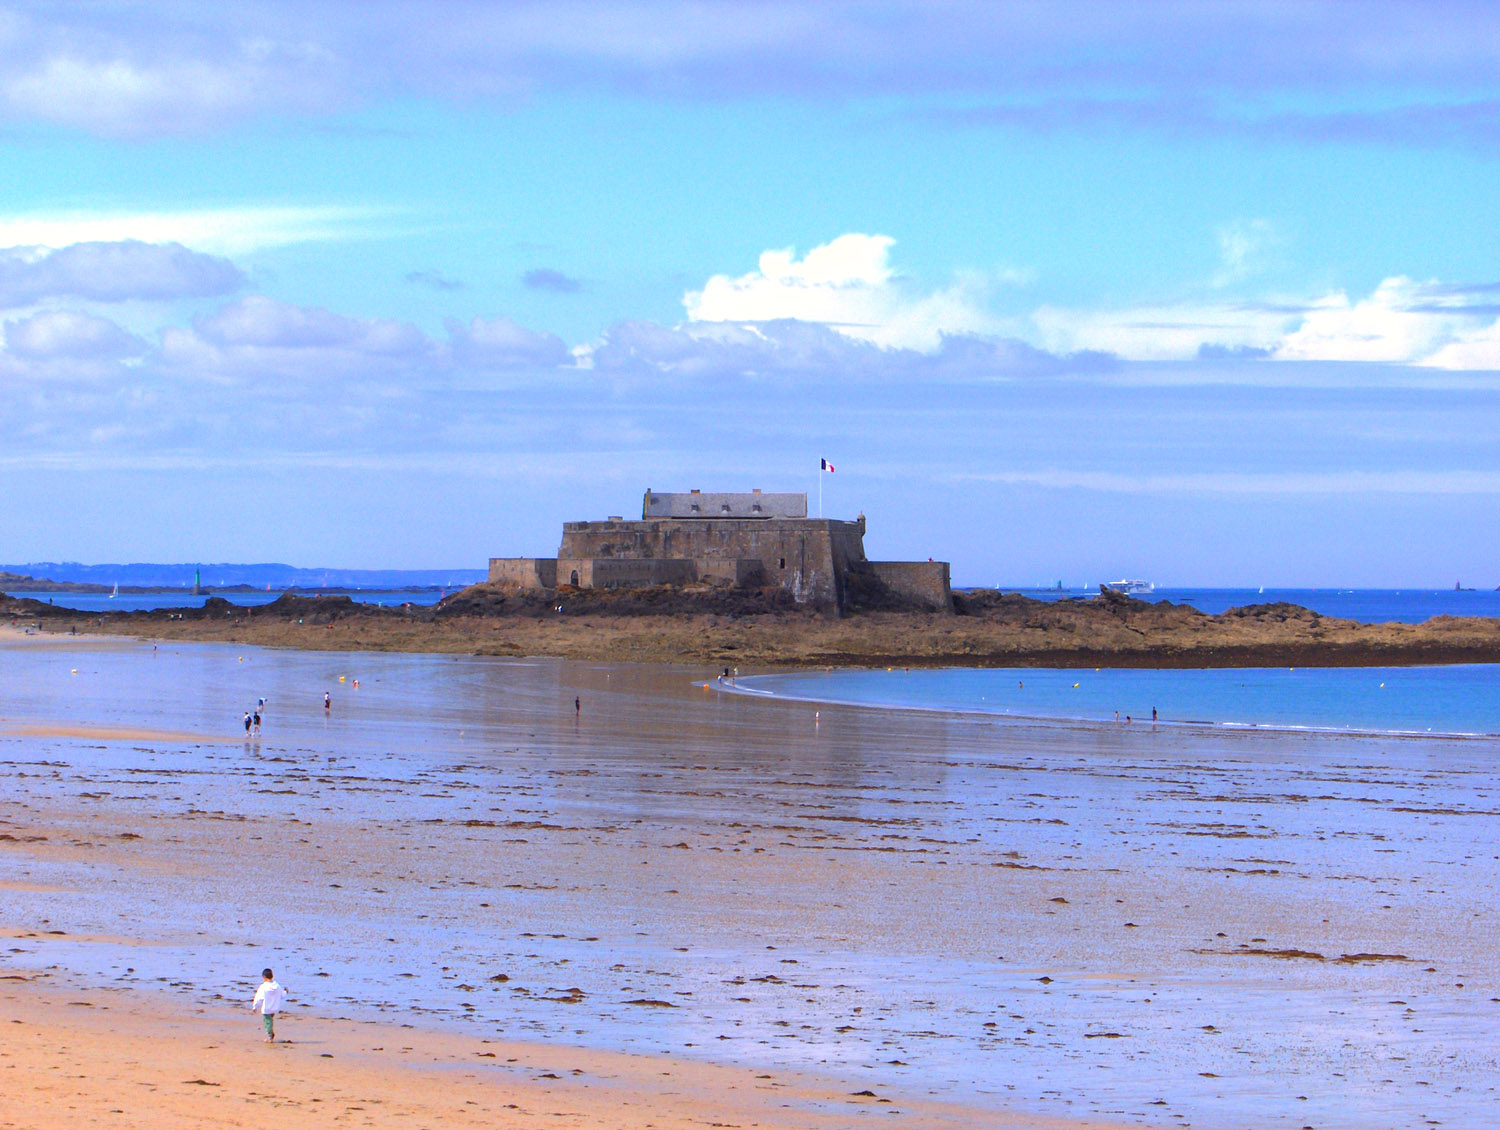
pixel 749 540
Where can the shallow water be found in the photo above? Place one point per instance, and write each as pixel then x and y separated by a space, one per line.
pixel 1456 699
pixel 1062 917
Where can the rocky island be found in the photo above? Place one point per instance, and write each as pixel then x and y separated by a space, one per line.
pixel 716 625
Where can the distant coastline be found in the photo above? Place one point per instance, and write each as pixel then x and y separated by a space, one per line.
pixel 717 627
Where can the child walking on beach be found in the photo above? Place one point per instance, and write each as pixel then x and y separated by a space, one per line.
pixel 268 1001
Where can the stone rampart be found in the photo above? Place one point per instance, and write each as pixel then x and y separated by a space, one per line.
pixel 924 582
pixel 809 556
pixel 524 572
pixel 745 540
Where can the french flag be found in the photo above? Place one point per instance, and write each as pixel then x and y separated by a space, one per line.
pixel 827 466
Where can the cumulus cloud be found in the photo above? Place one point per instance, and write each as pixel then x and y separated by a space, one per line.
pixel 1167 332
pixel 848 285
pixel 70 334
pixel 267 323
pixel 798 349
pixel 1382 327
pixel 1401 322
pixel 546 278
pixel 112 272
pixel 502 342
pixel 259 337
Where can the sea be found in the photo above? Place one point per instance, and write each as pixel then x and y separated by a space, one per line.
pixel 1457 700
pixel 1368 606
pixel 1448 700
pixel 147 601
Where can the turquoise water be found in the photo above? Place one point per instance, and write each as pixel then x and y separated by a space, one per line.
pixel 1462 699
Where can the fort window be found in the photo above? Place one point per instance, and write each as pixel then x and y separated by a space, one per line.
pixel 573 578
pixel 783 563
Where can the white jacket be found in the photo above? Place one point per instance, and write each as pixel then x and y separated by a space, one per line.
pixel 269 998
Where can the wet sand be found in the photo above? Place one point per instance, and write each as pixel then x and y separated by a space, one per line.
pixel 76 1057
pixel 970 917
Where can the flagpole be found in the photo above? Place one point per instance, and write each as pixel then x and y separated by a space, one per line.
pixel 820 490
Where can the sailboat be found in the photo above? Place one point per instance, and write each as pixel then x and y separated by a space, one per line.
pixel 116 592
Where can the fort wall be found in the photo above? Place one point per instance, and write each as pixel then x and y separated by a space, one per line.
pixel 744 540
pixel 925 582
pixel 524 572
pixel 809 556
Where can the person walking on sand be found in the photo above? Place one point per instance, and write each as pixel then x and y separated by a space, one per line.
pixel 247 723
pixel 577 707
pixel 269 998
pixel 327 701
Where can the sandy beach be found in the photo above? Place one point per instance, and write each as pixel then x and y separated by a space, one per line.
pixel 978 922
pixel 76 1057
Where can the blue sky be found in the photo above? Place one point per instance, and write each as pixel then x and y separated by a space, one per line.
pixel 1208 293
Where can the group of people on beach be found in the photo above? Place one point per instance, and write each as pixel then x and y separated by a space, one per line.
pixel 252 718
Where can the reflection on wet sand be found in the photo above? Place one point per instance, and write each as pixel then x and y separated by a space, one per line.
pixel 1147 926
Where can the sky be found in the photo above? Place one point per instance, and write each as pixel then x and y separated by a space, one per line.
pixel 1205 293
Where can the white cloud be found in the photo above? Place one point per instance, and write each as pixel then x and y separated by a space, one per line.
pixel 1393 324
pixel 501 342
pixel 1163 333
pixel 258 337
pixel 1245 248
pixel 220 231
pixel 112 272
pixel 118 96
pixel 69 334
pixel 1476 350
pixel 848 285
pixel 1401 322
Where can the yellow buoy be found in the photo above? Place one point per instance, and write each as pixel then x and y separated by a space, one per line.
pixel 1075 686
pixel 75 670
pixel 341 678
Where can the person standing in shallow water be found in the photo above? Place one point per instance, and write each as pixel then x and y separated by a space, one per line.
pixel 268 1001
pixel 577 706
pixel 327 701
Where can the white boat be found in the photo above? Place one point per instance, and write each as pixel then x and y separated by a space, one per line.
pixel 116 592
pixel 1129 588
